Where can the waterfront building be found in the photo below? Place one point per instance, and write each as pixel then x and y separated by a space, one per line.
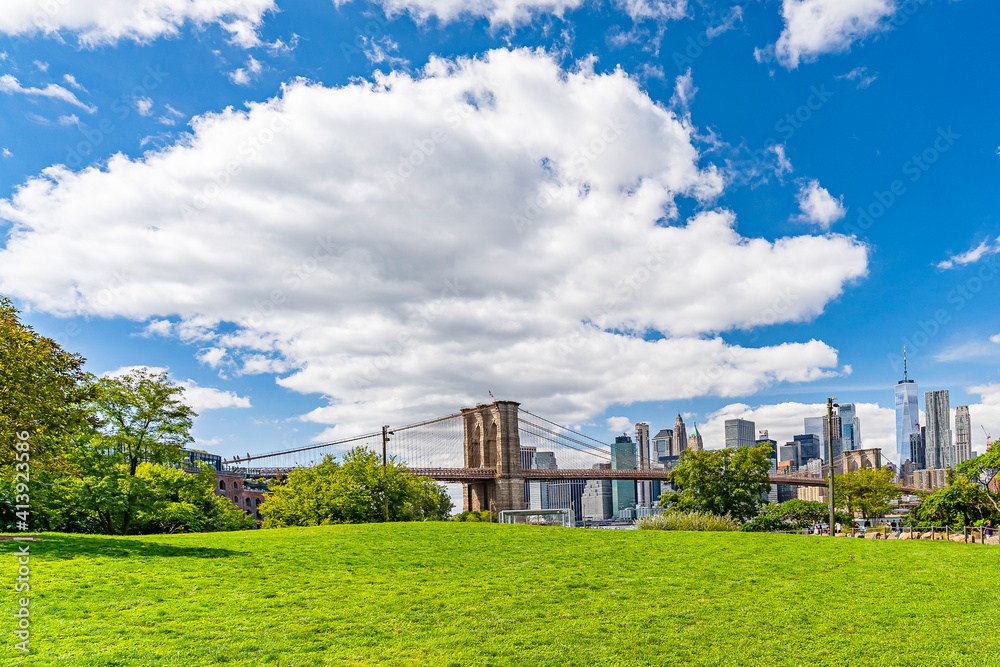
pixel 918 448
pixel 597 497
pixel 739 433
pixel 939 447
pixel 789 453
pixel 623 457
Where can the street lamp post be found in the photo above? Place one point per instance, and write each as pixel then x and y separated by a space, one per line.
pixel 830 405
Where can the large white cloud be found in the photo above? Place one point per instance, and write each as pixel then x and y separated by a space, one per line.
pixel 403 245
pixel 815 27
pixel 98 22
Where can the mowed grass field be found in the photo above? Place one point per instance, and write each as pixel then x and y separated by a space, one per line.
pixel 481 594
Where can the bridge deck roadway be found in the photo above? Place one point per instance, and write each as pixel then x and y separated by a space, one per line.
pixel 456 475
pixel 478 474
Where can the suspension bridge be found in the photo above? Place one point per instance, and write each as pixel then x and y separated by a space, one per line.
pixel 492 449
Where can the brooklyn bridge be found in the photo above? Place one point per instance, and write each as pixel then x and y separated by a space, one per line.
pixel 482 449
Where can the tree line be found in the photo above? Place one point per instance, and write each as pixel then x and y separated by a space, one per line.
pixel 104 455
pixel 735 483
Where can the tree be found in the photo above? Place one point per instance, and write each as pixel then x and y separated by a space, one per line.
pixel 723 481
pixel 868 491
pixel 984 471
pixel 43 390
pixel 141 419
pixel 179 502
pixel 961 503
pixel 358 490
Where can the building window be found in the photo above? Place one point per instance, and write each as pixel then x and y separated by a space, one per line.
pixel 222 485
pixel 258 502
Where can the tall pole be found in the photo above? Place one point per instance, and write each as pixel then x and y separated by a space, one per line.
pixel 385 440
pixel 385 491
pixel 829 452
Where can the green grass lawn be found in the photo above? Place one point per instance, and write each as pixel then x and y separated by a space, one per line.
pixel 481 594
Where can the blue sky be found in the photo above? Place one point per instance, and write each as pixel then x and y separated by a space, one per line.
pixel 321 218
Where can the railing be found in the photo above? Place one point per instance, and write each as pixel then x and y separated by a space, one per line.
pixel 967 534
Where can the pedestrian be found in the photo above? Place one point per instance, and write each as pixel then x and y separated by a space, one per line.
pixel 837 527
pixel 989 528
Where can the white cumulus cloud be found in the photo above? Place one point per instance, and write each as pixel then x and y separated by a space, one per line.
pixel 395 245
pixel 815 27
pixel 99 22
pixel 818 206
pixel 197 397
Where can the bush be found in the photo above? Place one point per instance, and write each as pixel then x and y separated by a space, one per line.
pixel 687 521
pixel 476 517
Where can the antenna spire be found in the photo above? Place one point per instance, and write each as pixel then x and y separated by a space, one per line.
pixel 904 363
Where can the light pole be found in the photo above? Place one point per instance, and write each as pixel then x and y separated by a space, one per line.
pixel 830 405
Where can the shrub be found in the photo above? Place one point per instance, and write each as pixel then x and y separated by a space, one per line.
pixel 687 521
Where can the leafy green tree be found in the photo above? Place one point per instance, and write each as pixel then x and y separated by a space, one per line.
pixel 427 501
pixel 182 502
pixel 357 490
pixel 961 503
pixel 141 419
pixel 722 481
pixel 984 472
pixel 43 391
pixel 868 491
pixel 804 513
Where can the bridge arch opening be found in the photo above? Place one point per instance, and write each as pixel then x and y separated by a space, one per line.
pixel 475 449
pixel 491 447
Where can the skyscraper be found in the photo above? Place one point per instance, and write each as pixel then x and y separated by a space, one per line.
pixel 695 442
pixel 680 436
pixel 907 415
pixel 836 446
pixel 764 439
pixel 623 457
pixel 815 425
pixel 663 443
pixel 963 434
pixel 809 447
pixel 644 489
pixel 918 448
pixel 940 451
pixel 739 433
pixel 850 427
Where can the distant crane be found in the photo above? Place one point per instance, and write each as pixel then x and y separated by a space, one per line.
pixel 989 440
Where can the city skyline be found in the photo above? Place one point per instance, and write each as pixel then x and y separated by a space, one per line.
pixel 325 217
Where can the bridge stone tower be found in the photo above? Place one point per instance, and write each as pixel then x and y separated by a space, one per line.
pixel 491 441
